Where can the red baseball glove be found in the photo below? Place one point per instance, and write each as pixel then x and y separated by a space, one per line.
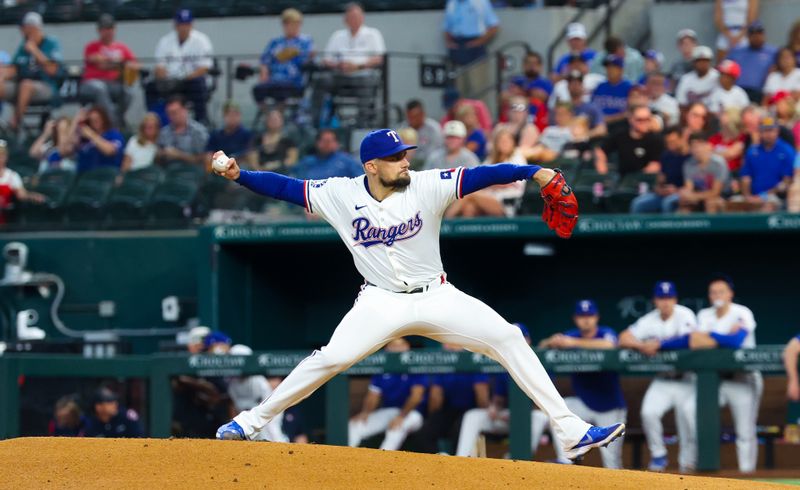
pixel 560 206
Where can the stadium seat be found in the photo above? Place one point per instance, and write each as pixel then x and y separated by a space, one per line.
pixel 532 203
pixel 185 172
pixel 100 175
pixel 153 174
pixel 632 185
pixel 55 186
pixel 127 204
pixel 85 202
pixel 172 202
pixel 592 189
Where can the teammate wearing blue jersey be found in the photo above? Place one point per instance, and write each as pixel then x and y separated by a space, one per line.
pixel 598 395
pixel 399 397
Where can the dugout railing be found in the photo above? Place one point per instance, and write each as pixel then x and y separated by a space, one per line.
pixel 158 369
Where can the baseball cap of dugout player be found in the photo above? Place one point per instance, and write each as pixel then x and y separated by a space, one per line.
pixel 382 143
pixel 240 350
pixel 730 67
pixel 183 16
pixel 216 337
pixel 665 289
pixel 586 307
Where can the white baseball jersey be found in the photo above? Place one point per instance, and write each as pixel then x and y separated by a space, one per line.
pixel 652 327
pixel 738 316
pixel 692 88
pixel 248 391
pixel 395 242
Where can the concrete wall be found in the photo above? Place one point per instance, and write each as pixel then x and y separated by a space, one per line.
pixel 412 33
pixel 666 19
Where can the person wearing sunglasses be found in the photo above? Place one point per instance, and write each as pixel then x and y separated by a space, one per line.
pixel 638 148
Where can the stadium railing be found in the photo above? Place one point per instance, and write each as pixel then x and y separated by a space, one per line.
pixel 158 369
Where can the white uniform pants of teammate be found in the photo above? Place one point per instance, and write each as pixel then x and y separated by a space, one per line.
pixel 662 396
pixel 377 422
pixel 611 454
pixel 477 422
pixel 442 313
pixel 743 396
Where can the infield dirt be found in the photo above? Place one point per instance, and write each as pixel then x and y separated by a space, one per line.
pixel 186 463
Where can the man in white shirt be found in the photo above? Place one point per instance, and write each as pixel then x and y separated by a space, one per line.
pixel 561 88
pixel 729 325
pixel 660 101
pixel 668 391
pixel 183 59
pixel 728 95
pixel 429 132
pixel 353 52
pixel 696 86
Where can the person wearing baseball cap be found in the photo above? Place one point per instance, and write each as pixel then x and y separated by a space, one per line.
pixel 455 153
pixel 768 168
pixel 697 85
pixel 633 61
pixel 36 67
pixel 756 60
pixel 686 41
pixel 611 96
pixel 108 419
pixel 105 59
pixel 728 95
pixel 183 59
pixel 731 17
pixel 653 61
pixel 598 396
pixel 576 40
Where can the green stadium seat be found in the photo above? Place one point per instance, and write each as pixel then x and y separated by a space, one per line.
pixel 532 203
pixel 100 175
pixel 632 185
pixel 185 172
pixel 173 202
pixel 153 174
pixel 85 202
pixel 127 204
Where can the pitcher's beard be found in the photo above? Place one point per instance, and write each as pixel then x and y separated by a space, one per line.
pixel 400 182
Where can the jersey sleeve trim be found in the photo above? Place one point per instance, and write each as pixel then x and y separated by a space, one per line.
pixel 459 183
pixel 307 197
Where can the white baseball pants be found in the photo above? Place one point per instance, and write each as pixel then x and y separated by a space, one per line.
pixel 611 454
pixel 743 396
pixel 477 422
pixel 377 422
pixel 662 396
pixel 442 313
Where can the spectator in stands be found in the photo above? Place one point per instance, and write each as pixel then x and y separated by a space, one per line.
pixel 183 60
pixel 476 138
pixel 248 391
pixel 793 41
pixel 183 139
pixel 55 146
pixel 36 66
pixel 611 96
pixel 638 149
pixel 581 107
pixel 686 41
pixel 526 135
pixel 105 60
pixel 233 138
pixel 633 60
pixel 141 150
pixel 598 396
pixel 392 405
pixel 730 18
pixel 729 141
pixel 469 26
pixel 670 390
pixel 498 200
pixel 785 78
pixel 530 83
pixel 791 354
pixel 453 101
pixel 653 62
pixel 660 101
pixel 561 91
pixel 555 136
pixel 726 324
pixel 450 396
pixel 696 120
pixel 664 197
pixel 727 95
pixel 576 40
pixel 751 123
pixel 283 61
pixel 429 132
pixel 357 48
pixel 68 419
pixel 697 85
pixel 328 161
pixel 11 186
pixel 784 106
pixel 756 59
pixel 705 176
pixel 109 419
pixel 768 167
pixel 98 143
pixel 455 152
pixel 274 150
pixel 581 148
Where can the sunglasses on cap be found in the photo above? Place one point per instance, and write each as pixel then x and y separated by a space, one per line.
pixel 395 158
pixel 519 107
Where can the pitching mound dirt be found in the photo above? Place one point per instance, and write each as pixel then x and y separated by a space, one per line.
pixel 157 463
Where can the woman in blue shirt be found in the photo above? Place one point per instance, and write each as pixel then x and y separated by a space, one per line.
pixel 99 144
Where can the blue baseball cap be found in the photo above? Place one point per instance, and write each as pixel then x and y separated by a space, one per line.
pixel 183 16
pixel 382 143
pixel 522 328
pixel 665 289
pixel 615 60
pixel 586 307
pixel 216 337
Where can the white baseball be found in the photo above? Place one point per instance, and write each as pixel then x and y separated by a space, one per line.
pixel 220 163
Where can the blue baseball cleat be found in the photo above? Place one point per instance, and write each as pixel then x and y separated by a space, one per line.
pixel 658 464
pixel 231 431
pixel 596 437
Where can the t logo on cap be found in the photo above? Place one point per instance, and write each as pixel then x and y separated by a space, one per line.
pixel 382 143
pixel 393 135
